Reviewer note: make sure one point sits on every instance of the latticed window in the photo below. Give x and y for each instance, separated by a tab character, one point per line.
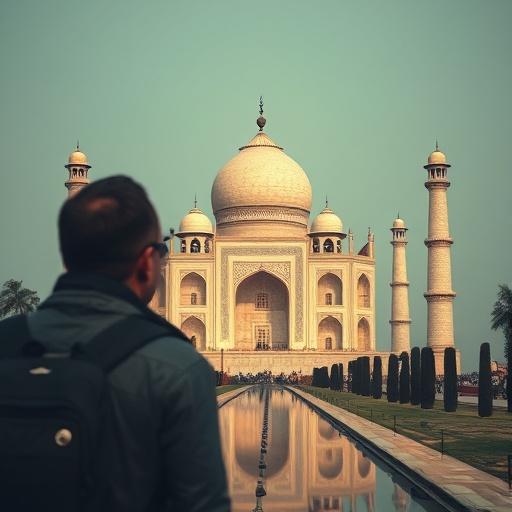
328	299
262	301
193	299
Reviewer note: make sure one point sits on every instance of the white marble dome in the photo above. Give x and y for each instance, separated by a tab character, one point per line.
262	185
326	222
195	222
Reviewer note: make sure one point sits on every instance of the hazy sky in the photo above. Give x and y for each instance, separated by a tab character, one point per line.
355	91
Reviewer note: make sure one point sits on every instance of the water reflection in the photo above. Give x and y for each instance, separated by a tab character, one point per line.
307	464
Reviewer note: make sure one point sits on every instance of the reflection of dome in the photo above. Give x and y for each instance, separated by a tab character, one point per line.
326	222
77	157
399	223
196	222
330	462
263	186
436	157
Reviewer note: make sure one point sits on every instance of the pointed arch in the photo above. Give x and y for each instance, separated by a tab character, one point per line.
196	331
328	245
330	284
262	312
363	292
195	246
330	334
363	335
191	284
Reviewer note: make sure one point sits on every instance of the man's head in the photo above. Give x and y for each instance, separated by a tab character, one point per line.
108	228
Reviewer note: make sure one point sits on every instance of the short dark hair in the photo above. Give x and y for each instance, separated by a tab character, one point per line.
105	226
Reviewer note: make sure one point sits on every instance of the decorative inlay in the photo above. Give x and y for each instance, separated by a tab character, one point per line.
241	269
244	269
262	213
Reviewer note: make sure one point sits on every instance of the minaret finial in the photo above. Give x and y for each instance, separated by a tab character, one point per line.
195	201
398	215
261	120
326	201
437	146
77	145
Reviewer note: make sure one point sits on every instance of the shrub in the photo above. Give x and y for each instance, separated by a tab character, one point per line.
334	381
415	376
450	380
485	382
405	379
376	385
428	378
392	387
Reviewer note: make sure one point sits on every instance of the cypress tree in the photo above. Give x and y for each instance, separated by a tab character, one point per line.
485	382
323	377
341	376
428	378
377	378
415	376
392	387
350	376
334	382
314	382
359	376
405	379
365	376
450	380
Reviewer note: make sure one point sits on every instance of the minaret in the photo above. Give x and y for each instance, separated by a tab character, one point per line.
400	321
78	169
439	294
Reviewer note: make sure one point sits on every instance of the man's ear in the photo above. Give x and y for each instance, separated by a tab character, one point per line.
144	266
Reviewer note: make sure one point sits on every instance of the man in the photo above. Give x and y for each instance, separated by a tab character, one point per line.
167	453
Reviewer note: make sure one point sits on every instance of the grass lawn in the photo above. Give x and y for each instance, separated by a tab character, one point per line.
483	443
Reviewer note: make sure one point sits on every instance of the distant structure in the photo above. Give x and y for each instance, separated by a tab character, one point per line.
268	287
439	294
78	169
400	321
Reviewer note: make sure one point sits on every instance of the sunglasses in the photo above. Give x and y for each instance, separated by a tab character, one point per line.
160	247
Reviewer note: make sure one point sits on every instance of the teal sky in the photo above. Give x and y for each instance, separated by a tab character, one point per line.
355	91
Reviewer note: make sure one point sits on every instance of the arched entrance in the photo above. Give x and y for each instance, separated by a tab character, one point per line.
261	313
330	335
196	331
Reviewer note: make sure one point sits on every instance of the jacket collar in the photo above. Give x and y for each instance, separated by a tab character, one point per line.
100	283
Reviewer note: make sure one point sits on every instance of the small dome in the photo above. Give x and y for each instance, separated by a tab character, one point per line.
77	157
326	222
436	157
399	223
195	222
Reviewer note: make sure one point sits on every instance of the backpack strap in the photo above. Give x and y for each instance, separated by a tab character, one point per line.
117	342
14	335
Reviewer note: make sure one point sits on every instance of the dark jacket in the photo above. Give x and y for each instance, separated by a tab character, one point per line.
168	454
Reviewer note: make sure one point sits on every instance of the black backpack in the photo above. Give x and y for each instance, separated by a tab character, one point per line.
54	415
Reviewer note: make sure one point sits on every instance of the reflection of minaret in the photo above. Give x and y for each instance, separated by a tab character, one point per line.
439	294
400	321
400	498
78	169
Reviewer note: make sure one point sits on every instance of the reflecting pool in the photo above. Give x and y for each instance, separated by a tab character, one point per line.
282	456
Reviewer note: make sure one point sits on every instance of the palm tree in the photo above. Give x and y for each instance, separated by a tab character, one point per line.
502	319
14	299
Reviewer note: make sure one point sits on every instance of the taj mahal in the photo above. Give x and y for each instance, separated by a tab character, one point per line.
267	287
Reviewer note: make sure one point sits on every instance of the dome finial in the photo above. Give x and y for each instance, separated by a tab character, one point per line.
326	201
77	145
398	215
437	146
261	120
195	200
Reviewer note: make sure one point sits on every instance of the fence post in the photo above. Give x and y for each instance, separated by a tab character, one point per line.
509	472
